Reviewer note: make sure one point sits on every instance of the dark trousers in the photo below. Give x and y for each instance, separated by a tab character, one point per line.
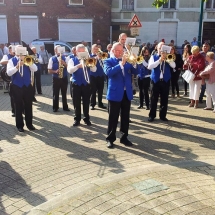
78	93
44	68
202	92
97	85
144	85
59	84
37	82
116	108
11	98
174	82
160	88
23	100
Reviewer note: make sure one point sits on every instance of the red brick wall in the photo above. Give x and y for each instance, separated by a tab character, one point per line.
98	10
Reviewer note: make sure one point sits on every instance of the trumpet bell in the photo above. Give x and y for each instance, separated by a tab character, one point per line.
140	59
90	62
132	60
170	57
28	61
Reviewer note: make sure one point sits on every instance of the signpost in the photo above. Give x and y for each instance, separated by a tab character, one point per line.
135	26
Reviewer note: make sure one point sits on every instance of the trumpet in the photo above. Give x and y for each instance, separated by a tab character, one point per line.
170	58
140	59
102	55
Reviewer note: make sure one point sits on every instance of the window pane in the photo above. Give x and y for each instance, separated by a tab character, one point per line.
1	1
172	3
166	5
28	1
214	4
208	3
76	2
128	4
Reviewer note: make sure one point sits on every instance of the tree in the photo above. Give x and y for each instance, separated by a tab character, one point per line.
159	3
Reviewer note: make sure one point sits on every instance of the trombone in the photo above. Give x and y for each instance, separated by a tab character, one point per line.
170	58
102	55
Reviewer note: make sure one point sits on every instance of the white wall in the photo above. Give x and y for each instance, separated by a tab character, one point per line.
186	31
148	32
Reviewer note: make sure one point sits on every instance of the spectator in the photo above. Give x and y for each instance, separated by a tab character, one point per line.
45	59
210	83
196	64
185	43
194	42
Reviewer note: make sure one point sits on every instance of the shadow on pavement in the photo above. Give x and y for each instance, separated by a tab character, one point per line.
13	186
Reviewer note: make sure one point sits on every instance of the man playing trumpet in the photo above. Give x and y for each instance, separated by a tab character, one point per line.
22	90
119	93
160	79
80	84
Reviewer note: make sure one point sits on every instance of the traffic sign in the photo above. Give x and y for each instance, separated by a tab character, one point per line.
135	22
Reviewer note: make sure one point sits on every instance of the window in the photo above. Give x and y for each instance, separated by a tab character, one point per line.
28	1
171	4
1	1
210	4
76	2
128	4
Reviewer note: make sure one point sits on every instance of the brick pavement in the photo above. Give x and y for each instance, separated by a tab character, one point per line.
56	159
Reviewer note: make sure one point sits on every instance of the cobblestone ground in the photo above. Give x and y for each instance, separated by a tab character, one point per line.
40	166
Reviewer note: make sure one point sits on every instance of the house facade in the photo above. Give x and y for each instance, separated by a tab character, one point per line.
68	20
177	20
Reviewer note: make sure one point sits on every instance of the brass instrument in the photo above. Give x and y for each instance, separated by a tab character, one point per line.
140	59
28	60
102	55
132	59
35	59
60	67
170	58
90	62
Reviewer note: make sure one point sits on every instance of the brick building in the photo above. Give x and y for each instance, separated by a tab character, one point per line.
68	20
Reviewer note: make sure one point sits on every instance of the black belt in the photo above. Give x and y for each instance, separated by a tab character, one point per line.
161	79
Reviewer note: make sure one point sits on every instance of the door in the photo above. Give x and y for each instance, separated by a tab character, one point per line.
3	29
28	28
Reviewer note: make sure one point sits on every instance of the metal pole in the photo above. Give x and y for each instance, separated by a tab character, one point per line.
200	23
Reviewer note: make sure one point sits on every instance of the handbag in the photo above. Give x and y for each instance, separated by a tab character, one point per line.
188	76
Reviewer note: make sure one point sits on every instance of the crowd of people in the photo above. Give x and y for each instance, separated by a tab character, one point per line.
159	69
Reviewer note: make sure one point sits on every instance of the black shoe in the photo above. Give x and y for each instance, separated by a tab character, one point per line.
76	123
40	93
13	115
109	144
101	106
55	110
34	99
147	107
201	101
150	119
130	121
20	129
88	122
140	106
164	119
92	108
126	142
31	128
67	109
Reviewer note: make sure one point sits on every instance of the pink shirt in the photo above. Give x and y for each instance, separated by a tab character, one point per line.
210	69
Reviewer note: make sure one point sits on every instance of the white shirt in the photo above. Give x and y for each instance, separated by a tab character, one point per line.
11	69
153	64
5	58
71	68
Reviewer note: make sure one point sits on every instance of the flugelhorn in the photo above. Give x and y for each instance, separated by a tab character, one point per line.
102	55
170	58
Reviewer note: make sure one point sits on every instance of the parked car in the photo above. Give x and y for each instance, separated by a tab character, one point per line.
50	44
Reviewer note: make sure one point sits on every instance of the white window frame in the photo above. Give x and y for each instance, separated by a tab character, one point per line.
2	2
127	6
212	5
70	3
173	8
28	2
